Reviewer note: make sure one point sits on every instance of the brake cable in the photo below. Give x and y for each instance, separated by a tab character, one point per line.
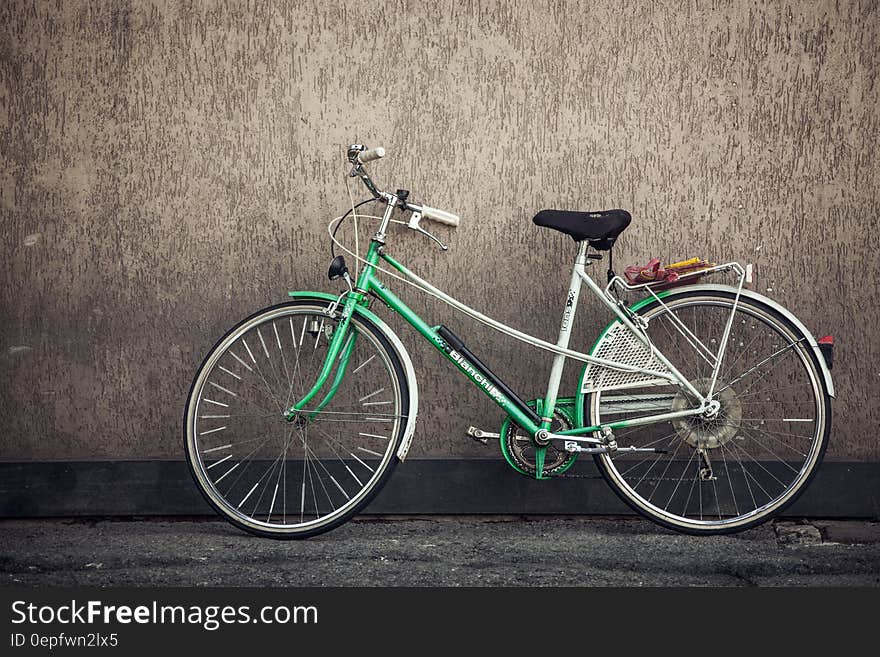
339	223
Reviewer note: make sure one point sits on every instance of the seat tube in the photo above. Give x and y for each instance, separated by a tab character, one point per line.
568	313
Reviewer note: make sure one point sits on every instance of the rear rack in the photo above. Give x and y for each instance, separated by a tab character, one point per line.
620	283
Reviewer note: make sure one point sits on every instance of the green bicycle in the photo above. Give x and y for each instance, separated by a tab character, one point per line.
706	407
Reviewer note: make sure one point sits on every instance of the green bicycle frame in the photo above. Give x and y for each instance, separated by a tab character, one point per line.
341	344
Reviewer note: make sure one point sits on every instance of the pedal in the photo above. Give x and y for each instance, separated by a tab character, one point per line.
481	436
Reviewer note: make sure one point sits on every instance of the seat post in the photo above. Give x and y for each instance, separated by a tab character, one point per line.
568	313
583	245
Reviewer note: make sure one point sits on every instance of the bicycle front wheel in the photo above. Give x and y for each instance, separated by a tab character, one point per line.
295	479
737	469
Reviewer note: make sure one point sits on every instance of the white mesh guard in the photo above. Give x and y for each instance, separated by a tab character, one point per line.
621	346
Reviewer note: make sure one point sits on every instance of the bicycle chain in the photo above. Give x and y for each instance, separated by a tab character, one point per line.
599	476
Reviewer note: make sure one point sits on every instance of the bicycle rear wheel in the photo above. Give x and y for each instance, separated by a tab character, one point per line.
295	479
739	468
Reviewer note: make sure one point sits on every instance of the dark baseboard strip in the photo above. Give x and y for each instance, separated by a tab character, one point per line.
841	489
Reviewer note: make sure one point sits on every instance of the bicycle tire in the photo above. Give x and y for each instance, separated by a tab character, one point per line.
385	468
808	357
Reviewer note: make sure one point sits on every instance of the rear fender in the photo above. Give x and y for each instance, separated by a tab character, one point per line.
709	287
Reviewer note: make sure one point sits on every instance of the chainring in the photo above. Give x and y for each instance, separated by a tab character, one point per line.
520	449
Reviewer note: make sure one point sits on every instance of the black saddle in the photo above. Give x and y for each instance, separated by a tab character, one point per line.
601	228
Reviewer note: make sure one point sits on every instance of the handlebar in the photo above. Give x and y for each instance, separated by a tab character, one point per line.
370	155
359	155
440	216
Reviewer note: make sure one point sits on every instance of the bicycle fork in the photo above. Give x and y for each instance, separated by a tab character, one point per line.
338	355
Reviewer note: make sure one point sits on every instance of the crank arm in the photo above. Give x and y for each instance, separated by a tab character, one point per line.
576	439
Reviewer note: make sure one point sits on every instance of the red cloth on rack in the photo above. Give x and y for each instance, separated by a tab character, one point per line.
650	273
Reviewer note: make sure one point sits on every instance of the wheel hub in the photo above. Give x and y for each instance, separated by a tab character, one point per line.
299	420
717	426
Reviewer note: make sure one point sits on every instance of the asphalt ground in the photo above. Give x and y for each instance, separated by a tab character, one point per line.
437	551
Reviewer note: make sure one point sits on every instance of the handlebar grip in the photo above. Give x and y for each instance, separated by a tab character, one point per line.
371	154
441	216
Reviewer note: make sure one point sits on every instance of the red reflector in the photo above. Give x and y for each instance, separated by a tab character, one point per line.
828	339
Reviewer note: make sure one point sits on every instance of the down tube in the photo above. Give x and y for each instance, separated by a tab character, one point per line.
395	303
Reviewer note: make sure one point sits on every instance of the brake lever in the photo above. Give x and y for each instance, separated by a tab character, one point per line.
414	219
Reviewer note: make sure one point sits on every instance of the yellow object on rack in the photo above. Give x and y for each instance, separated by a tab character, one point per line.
689	263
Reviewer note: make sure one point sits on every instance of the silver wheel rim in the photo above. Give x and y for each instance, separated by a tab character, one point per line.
730	460
343	452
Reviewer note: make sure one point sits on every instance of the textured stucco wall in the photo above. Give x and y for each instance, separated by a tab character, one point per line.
170	166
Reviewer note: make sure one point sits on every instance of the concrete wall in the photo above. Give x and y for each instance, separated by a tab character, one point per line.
171	166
